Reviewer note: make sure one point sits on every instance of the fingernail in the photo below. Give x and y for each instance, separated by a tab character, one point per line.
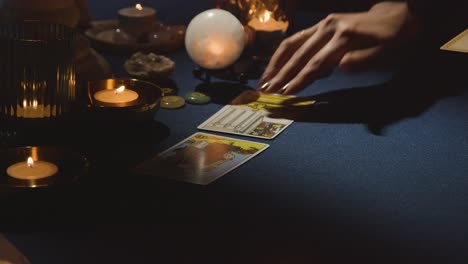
282	90
264	86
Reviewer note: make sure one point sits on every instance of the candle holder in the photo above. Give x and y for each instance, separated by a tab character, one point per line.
69	167
136	30
37	70
37	76
269	20
140	102
241	71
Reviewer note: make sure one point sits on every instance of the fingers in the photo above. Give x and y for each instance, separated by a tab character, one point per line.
286	49
322	62
352	60
300	58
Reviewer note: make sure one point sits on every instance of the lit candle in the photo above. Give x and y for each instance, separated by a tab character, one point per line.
116	96
32	105
32	170
137	11
137	20
267	22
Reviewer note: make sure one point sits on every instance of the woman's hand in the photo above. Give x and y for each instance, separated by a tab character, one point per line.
348	40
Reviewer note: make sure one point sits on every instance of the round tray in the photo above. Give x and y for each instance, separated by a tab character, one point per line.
174	38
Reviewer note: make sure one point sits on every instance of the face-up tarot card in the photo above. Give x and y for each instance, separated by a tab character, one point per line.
201	158
248	114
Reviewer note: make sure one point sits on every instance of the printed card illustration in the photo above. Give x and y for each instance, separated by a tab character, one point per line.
201	158
248	114
458	43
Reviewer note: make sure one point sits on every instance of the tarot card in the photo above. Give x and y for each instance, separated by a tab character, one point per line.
248	116
458	43
201	158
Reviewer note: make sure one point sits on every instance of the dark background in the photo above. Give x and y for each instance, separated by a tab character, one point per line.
378	175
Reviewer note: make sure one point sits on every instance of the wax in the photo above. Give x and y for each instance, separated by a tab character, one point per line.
137	11
32	170
137	21
116	96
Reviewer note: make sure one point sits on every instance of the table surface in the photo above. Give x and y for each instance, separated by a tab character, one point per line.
379	174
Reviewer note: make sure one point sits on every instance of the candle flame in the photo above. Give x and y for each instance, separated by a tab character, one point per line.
265	17
139	7
119	90
30	162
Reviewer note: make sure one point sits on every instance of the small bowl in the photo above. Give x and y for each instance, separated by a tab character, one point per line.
144	107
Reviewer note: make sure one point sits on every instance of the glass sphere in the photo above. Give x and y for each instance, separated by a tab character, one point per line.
215	39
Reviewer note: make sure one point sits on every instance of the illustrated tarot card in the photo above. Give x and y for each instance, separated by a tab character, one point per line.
201	158
248	116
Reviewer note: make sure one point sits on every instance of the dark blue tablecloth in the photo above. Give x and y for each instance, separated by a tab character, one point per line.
380	174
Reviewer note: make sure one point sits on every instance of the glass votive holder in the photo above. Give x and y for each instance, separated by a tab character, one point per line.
37	77
64	12
269	20
39	167
37	71
128	99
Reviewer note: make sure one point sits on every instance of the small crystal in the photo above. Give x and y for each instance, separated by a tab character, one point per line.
149	65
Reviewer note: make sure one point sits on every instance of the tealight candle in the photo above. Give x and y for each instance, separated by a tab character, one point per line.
266	22
32	170
117	96
137	11
137	20
269	31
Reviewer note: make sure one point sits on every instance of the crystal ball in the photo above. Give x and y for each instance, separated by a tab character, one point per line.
215	39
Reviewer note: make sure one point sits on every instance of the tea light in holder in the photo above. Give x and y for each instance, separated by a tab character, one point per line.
267	23
34	167
215	39
270	27
123	98
137	21
32	170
